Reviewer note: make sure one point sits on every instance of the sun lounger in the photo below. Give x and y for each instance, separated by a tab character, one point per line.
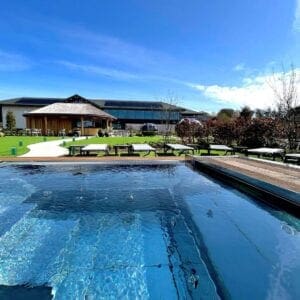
220	148
95	148
293	157
179	147
266	152
142	148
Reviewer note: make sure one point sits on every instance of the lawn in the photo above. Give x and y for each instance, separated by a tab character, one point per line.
9	142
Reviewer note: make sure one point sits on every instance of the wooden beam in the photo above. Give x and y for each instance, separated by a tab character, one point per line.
82	128
46	125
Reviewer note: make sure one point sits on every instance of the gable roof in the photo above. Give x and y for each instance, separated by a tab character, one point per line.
75	109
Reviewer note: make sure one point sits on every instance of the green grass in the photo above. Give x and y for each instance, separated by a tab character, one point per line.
8	142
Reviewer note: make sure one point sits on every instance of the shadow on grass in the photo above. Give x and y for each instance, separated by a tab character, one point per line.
129	154
165	154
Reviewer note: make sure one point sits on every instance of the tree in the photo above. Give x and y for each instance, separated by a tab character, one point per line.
284	86
261	132
10	120
189	129
246	113
226	114
224	132
167	114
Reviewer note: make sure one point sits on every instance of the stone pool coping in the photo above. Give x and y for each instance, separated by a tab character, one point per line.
275	184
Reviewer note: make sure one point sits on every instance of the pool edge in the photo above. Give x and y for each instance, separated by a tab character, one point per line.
262	190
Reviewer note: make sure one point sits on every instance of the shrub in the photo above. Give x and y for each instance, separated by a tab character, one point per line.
10	120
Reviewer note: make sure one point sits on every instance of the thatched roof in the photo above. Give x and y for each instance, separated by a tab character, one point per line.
70	109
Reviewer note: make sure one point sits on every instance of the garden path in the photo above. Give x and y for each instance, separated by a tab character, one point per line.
49	149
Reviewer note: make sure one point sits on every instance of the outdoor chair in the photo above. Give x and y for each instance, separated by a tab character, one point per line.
183	149
142	148
27	131
273	152
95	148
50	132
292	157
220	148
36	132
62	132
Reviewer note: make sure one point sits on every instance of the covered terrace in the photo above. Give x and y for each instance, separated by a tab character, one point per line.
78	117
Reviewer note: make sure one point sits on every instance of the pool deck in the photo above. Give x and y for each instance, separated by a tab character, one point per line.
281	175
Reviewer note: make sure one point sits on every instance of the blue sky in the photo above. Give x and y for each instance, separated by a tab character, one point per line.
206	54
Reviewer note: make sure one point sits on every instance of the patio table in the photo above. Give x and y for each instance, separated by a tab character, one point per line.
121	146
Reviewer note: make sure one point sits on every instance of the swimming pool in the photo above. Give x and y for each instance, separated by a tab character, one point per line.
160	231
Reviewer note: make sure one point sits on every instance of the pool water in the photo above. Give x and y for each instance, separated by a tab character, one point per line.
140	232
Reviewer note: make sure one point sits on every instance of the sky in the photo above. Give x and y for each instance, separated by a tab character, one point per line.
203	55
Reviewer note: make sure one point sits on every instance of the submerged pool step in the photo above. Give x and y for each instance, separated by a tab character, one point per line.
106	249
28	247
14	191
10	215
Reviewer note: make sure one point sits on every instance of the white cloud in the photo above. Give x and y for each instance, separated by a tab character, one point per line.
296	24
98	70
10	62
239	67
113	49
117	73
255	92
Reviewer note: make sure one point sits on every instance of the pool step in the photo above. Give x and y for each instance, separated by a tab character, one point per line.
14	191
28	247
106	249
10	215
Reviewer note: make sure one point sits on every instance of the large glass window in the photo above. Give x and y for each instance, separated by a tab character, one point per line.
134	114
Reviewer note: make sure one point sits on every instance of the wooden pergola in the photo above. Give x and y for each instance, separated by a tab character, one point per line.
66	116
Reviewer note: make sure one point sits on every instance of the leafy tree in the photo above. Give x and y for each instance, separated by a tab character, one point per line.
246	113
224	132
225	114
189	129
10	121
261	132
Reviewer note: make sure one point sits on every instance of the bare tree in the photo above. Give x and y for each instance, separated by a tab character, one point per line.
284	86
168	114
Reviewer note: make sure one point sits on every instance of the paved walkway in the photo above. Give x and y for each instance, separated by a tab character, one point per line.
49	149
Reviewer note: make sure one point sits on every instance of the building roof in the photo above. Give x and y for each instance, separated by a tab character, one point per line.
29	101
101	103
75	109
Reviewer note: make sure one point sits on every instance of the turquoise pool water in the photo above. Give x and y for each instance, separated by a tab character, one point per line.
140	232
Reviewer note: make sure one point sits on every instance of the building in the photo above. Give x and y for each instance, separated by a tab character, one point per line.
123	114
75	115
